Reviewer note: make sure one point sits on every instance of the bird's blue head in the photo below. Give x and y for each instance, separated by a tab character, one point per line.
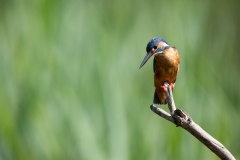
155	45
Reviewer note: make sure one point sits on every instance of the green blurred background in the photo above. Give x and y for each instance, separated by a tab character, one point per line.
71	88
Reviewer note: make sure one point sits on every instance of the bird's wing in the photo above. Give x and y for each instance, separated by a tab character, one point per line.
154	65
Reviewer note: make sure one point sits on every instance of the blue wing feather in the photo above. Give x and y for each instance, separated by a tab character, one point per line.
154	65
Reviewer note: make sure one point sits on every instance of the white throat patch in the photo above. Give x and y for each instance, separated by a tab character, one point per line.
164	44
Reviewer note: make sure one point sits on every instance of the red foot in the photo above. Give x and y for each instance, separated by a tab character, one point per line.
172	86
163	88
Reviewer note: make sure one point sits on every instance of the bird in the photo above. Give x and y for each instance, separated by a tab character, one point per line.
166	65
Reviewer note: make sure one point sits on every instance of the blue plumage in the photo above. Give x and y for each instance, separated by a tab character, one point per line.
154	42
165	66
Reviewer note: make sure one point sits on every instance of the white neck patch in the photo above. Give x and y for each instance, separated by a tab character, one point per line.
165	44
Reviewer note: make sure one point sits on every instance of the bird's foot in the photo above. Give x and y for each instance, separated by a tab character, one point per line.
172	86
163	88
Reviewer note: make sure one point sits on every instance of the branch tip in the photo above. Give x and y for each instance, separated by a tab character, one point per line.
182	119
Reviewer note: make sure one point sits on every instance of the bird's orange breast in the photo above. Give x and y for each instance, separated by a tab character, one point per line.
166	69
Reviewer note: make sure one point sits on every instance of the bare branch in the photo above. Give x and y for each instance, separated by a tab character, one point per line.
180	118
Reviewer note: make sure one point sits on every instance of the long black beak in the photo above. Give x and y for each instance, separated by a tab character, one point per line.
148	55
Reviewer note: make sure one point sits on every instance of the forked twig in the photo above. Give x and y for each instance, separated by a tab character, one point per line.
180	118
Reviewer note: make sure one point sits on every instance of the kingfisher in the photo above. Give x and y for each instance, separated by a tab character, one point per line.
165	66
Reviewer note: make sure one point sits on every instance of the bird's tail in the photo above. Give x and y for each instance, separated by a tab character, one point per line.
156	99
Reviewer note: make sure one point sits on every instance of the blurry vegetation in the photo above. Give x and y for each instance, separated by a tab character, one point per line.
70	87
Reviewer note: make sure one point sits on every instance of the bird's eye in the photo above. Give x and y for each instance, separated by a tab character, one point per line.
155	47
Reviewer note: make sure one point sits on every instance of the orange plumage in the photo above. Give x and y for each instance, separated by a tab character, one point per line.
166	66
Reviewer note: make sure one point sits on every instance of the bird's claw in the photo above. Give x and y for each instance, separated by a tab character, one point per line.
164	88
172	86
